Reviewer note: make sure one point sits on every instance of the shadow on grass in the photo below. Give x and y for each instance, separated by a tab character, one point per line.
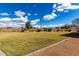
73	35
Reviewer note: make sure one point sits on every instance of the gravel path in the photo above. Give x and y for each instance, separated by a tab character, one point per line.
68	47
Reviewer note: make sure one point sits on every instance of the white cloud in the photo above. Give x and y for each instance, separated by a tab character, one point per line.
54	15
4	14
46	26
29	14
50	16
10	24
2	25
54	10
21	16
66	11
23	19
60	24
13	22
66	6
14	25
15	19
52	25
5	19
35	14
73	7
19	13
60	9
35	21
37	26
19	20
54	6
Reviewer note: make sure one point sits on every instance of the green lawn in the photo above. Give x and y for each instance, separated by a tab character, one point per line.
18	43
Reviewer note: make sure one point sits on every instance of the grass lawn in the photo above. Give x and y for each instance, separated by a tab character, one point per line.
18	43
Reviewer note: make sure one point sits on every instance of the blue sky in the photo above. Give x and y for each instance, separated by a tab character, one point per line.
39	14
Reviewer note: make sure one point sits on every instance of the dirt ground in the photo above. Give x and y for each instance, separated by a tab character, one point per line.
69	47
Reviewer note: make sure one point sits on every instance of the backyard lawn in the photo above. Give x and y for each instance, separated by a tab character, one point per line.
22	43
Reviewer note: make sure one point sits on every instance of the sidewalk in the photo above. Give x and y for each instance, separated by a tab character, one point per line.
68	47
2	54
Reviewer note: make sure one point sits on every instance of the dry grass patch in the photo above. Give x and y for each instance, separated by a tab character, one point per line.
17	43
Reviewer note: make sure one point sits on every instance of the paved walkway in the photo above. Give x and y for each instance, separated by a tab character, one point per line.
2	53
68	47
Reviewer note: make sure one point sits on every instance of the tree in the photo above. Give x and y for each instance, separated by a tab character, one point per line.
66	26
22	29
38	30
49	29
28	25
75	23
